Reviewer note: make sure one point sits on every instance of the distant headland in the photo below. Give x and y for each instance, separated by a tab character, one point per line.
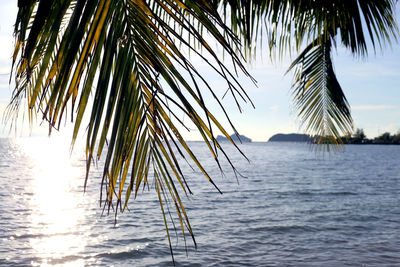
235	138
293	137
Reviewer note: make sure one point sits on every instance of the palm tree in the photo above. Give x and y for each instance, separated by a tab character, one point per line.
131	56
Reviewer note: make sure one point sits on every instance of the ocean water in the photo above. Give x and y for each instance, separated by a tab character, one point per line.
293	207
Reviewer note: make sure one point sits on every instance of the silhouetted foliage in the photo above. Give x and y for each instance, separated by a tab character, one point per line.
360	138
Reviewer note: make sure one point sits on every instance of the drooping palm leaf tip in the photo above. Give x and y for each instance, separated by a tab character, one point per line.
129	56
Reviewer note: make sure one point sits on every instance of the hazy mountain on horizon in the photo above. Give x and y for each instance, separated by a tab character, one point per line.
292	137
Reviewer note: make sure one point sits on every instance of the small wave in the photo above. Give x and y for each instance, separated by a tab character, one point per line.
344	193
70	260
285	229
135	240
33	236
130	253
339	193
315	193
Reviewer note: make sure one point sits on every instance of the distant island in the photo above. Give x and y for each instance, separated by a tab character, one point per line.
235	138
293	137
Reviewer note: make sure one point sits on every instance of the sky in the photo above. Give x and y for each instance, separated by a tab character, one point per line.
371	85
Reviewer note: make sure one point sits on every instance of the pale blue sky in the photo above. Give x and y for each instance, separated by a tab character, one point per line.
372	87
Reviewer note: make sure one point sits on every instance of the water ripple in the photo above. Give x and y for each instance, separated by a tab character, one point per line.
295	208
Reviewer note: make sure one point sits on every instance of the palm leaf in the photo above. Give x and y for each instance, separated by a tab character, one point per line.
122	53
318	95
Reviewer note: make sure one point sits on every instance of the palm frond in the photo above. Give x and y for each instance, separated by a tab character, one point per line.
318	96
123	54
354	21
292	24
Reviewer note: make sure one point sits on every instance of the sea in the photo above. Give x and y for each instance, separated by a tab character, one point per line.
290	206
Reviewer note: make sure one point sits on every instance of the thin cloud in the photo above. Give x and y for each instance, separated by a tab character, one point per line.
274	108
371	107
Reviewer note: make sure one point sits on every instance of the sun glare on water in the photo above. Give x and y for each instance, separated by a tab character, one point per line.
56	204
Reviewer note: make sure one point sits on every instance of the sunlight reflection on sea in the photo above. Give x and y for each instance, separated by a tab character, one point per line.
54	208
